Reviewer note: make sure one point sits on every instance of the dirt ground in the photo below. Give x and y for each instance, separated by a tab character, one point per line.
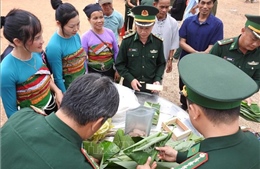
231	12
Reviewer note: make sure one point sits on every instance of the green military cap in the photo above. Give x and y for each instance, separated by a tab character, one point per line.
213	82
144	15
253	23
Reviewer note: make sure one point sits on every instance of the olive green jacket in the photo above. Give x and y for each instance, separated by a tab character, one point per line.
240	150
142	62
33	141
249	62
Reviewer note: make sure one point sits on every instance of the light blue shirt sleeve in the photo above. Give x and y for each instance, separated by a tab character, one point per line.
8	89
54	55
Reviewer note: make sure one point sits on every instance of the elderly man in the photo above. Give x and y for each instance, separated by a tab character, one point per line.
141	59
166	28
214	98
31	140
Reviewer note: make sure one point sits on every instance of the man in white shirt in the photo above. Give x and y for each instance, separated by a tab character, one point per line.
166	28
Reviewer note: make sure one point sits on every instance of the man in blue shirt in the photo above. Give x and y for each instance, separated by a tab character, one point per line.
113	19
199	33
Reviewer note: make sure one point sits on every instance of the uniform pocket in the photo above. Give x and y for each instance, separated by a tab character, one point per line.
132	57
251	67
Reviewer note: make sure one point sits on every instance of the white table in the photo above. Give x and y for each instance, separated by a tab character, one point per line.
130	99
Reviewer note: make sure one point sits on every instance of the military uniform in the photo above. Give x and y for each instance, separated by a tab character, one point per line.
144	62
229	50
41	142
217	90
249	62
135	60
233	152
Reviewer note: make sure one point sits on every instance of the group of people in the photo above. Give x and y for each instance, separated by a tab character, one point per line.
81	96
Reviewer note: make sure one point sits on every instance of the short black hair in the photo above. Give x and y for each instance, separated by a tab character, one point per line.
219	116
22	25
211	0
64	12
90	97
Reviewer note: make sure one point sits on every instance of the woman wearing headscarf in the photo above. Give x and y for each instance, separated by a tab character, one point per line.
100	44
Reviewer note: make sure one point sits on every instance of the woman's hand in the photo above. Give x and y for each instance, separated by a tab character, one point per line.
58	97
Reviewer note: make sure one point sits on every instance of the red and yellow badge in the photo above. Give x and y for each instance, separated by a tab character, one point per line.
145	13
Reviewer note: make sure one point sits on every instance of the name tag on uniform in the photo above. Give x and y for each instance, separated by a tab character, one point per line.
229	59
132	50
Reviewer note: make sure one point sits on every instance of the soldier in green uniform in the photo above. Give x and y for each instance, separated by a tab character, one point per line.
141	59
244	50
213	99
30	140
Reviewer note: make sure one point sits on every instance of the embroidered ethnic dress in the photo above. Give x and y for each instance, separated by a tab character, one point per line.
35	90
73	66
66	58
24	83
100	57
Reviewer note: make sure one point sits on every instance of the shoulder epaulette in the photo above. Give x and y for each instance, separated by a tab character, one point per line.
128	35
157	37
194	162
225	41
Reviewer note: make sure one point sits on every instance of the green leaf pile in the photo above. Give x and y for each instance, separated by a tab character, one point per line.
127	152
140	151
251	113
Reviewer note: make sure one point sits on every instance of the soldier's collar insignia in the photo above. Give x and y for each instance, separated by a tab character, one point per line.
193	150
253	63
194	162
153	51
144	13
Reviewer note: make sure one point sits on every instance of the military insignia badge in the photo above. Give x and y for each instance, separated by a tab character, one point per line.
193	150
253	63
145	13
153	51
225	41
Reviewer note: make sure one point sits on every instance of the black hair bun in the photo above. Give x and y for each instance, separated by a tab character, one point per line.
2	21
56	3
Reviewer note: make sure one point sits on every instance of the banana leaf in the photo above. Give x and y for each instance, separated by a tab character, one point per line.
121	140
251	113
133	164
109	149
180	145
140	151
94	149
155	106
255	108
194	137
